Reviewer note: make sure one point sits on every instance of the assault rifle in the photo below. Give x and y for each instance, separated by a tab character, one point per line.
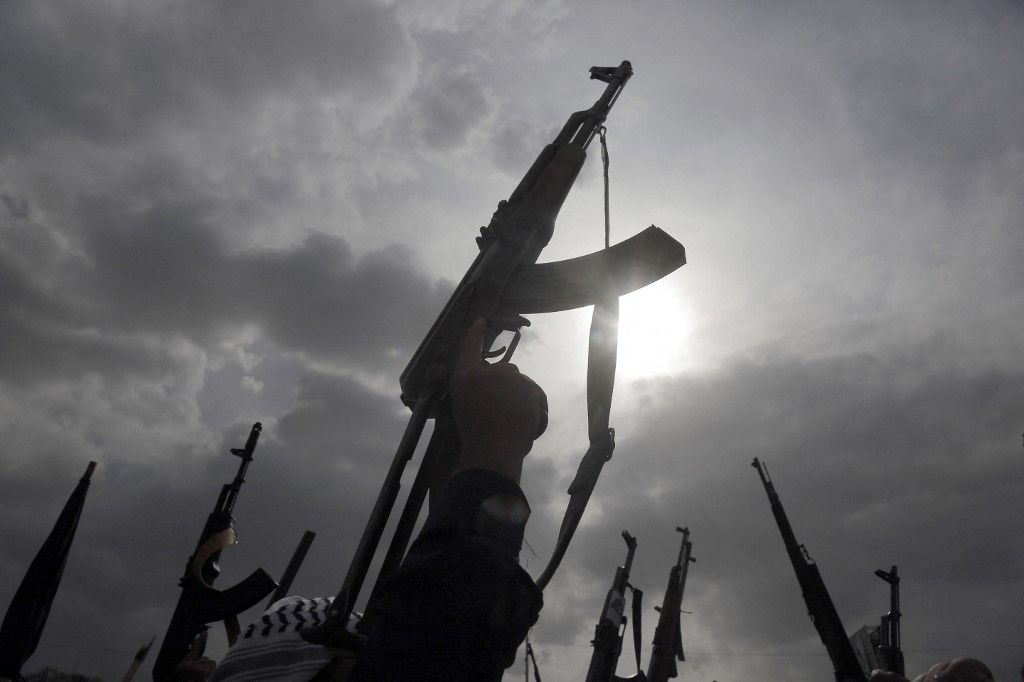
668	635
199	603
611	625
503	283
890	655
819	602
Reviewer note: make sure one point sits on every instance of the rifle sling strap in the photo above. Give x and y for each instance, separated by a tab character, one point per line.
604	330
232	628
603	351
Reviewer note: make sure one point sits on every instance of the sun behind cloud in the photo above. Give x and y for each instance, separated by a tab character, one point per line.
655	327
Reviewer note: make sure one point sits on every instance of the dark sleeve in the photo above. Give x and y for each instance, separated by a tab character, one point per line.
460	604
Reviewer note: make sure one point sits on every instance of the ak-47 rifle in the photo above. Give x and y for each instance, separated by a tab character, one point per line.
503	283
890	654
199	603
610	626
819	602
668	636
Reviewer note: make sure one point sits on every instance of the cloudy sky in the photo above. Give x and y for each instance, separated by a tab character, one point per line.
218	213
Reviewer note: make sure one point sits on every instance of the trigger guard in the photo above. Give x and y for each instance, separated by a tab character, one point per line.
489	354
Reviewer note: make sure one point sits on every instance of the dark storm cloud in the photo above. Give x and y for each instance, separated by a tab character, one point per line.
458	92
45	335
314	427
200	204
106	72
17	207
164	270
449	108
950	102
317	467
877	461
919	93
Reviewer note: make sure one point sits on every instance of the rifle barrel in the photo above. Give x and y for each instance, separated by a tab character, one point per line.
292	569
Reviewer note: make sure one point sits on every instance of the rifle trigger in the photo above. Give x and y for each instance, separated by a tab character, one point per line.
512	346
505	352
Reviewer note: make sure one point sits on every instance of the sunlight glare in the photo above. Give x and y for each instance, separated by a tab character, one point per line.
655	325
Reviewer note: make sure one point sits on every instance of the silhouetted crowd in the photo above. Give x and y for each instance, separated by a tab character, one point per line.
460	605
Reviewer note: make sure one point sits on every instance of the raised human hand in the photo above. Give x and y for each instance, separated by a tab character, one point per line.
195	667
498	410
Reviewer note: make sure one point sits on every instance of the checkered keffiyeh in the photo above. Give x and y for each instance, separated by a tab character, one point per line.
271	647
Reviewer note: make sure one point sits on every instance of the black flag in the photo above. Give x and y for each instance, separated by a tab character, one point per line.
26	616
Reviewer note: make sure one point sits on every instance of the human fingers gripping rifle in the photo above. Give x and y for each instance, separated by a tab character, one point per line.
200	603
503	283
